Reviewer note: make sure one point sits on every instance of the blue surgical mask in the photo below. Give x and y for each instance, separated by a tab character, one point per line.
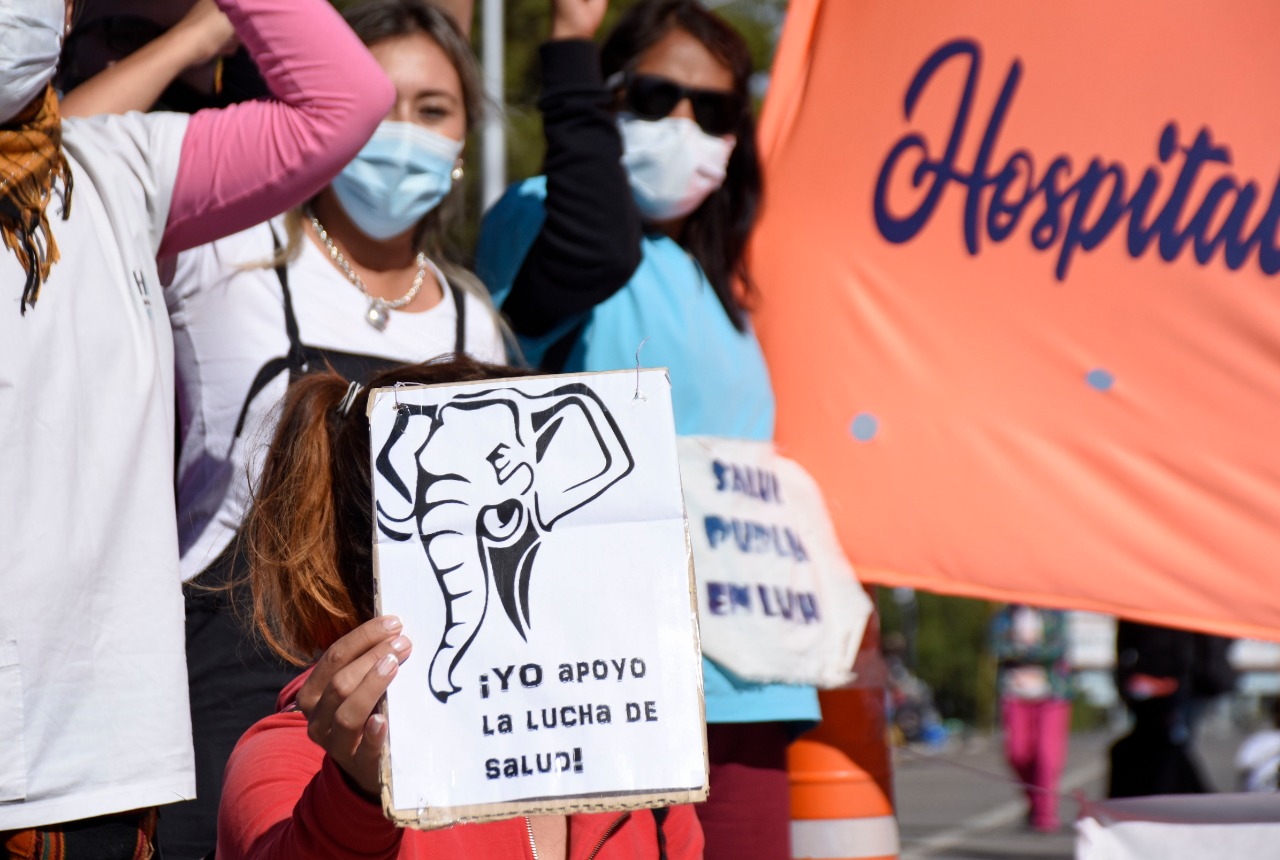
403	172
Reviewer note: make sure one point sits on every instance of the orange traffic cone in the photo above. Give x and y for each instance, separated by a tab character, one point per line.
842	778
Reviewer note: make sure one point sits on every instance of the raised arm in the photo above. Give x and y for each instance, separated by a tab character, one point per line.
248	162
589	245
137	81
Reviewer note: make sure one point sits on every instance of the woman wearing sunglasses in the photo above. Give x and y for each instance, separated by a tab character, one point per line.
636	234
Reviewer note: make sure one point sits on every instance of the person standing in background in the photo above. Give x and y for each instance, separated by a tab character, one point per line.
1155	674
1034	684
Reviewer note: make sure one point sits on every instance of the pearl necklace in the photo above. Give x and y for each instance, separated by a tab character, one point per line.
379	313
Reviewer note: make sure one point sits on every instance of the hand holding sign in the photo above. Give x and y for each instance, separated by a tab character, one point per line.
342	691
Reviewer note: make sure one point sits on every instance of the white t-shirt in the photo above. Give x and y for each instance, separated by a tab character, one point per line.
93	687
228	321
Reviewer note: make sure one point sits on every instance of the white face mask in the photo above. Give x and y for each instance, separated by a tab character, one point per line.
30	42
671	164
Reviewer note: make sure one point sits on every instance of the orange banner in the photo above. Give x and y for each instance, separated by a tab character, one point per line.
1017	270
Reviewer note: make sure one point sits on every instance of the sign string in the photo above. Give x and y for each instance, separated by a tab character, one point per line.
639	396
395	391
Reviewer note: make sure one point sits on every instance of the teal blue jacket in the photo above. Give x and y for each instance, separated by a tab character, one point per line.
719	382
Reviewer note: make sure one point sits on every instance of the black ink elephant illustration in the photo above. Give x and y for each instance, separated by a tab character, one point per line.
479	480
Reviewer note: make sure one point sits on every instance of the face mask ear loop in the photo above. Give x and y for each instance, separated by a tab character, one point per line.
639	397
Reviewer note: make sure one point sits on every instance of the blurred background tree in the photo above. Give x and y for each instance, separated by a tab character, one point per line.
947	643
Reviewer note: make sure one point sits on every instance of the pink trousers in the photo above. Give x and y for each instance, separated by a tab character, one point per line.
1035	744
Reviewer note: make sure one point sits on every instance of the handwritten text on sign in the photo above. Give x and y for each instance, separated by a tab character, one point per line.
779	601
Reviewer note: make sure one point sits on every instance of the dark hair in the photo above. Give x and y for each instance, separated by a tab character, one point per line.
104	36
376	21
716	233
309	534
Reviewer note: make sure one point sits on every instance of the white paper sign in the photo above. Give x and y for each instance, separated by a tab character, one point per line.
777	597
531	535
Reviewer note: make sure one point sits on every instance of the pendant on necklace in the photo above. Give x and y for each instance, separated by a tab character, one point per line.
377	315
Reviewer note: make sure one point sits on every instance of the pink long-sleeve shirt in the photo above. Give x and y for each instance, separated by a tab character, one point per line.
245	163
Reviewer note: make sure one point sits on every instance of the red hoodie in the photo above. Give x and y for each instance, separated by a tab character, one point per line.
285	799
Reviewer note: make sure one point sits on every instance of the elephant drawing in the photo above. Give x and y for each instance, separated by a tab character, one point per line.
479	479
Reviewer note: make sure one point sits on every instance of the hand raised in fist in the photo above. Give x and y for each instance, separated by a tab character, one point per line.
576	19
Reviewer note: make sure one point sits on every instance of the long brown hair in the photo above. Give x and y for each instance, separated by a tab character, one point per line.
309	533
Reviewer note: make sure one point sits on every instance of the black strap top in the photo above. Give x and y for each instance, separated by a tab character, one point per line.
302	358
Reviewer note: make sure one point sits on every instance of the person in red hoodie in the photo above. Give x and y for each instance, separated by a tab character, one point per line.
304	781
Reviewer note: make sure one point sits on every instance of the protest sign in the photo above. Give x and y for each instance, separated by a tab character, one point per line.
778	600
530	533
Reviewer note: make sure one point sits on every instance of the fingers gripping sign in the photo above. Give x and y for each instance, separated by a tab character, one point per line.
576	19
343	691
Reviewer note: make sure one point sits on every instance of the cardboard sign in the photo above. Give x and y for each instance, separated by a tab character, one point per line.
531	535
1017	270
777	597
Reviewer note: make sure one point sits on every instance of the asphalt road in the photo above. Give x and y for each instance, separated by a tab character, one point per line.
960	803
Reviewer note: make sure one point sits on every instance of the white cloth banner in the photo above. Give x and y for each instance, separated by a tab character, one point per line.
777	597
531	536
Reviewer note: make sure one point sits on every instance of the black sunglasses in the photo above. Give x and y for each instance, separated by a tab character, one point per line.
652	97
